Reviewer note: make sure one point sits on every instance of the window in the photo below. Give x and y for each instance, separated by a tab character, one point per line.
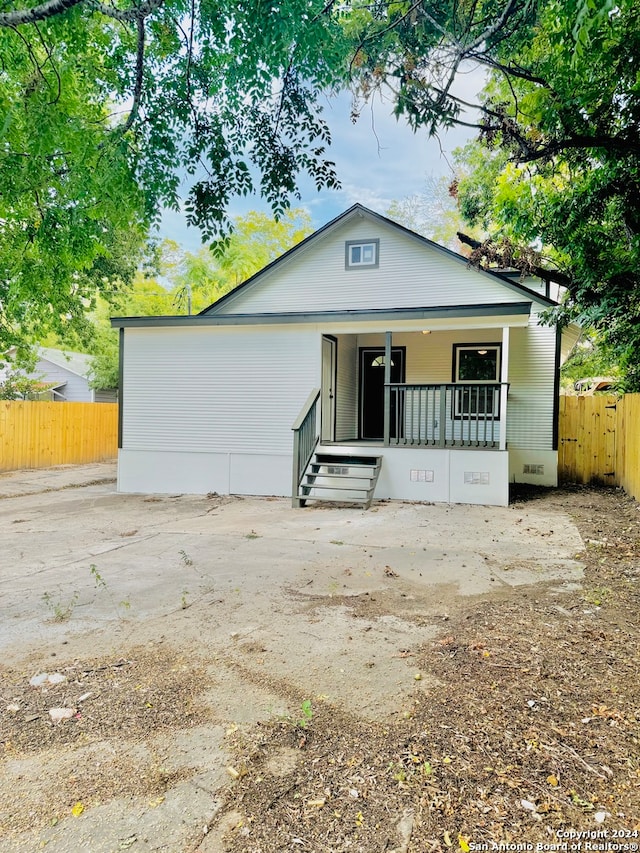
378	361
477	368
361	253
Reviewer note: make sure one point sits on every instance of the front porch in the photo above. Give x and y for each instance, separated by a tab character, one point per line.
421	432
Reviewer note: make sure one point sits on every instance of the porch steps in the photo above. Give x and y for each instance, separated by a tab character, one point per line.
340	478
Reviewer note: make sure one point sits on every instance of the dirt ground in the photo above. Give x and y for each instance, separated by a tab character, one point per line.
237	677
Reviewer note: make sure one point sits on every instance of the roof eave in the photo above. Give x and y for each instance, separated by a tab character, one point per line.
501	309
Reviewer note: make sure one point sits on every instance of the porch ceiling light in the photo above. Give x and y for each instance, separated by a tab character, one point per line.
482	352
426	331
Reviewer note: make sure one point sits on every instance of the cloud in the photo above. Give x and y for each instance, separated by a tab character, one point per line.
379	159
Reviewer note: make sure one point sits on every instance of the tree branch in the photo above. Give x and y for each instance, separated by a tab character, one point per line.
39	13
137	90
494	251
126	15
612	144
51	8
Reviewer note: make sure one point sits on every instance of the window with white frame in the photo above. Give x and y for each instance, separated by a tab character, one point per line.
361	253
476	367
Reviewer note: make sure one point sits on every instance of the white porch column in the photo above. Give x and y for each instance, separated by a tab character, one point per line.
387	389
504	378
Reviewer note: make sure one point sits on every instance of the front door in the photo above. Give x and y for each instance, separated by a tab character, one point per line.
328	397
372	390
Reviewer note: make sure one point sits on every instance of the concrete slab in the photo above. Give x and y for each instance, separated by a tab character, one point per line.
277	604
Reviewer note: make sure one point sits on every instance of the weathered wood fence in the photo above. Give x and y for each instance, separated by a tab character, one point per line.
38	435
599	441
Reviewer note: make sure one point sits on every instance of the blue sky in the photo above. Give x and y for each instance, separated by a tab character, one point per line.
378	160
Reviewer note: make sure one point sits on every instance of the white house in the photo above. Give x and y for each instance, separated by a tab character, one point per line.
364	353
68	375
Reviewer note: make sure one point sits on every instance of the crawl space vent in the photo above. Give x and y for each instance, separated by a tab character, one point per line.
476	478
533	469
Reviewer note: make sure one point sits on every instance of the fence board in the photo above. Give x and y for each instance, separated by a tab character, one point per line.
599	441
628	456
36	434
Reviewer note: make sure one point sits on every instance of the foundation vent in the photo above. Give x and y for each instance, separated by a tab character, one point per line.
476	478
418	476
536	470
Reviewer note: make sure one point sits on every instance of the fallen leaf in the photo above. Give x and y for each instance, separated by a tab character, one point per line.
77	810
463	843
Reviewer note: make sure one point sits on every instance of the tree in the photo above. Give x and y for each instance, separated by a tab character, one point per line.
15	386
434	212
225	91
191	282
556	167
107	107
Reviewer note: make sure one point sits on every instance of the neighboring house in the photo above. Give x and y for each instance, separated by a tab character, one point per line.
433	374
68	373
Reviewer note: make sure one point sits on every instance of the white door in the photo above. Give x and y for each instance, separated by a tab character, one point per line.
328	397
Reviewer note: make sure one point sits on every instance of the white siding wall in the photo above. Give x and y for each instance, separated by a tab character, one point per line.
410	275
430	357
531	378
216	389
76	388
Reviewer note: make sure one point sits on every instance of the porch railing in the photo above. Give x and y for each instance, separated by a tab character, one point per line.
453	415
305	439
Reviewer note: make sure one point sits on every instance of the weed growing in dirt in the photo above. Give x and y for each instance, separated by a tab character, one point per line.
186	559
183	599
307	714
101	583
60	609
97	577
252	535
597	596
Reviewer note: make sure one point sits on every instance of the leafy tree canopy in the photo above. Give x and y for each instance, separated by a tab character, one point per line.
106	104
104	107
556	166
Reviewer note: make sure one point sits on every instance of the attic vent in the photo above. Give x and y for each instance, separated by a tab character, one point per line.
536	470
337	469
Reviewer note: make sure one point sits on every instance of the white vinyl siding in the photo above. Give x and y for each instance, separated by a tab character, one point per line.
429	358
216	390
410	274
76	388
531	378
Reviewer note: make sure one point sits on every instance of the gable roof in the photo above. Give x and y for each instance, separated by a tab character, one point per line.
78	363
357	210
75	362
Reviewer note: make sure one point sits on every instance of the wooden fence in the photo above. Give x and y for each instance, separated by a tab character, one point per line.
38	434
599	441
